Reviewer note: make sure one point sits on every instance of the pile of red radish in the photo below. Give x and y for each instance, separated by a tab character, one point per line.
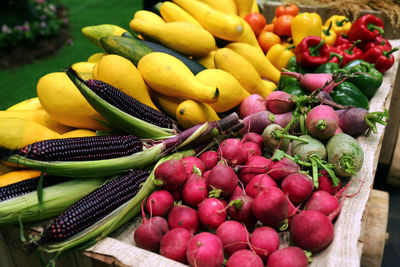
232	204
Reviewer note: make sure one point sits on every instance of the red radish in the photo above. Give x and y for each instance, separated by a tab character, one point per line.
338	131
325	183
183	216
222	180
288	257
255	138
298	187
284	119
292	210
148	235
325	203
177	194
211	212
240	210
322	122
256	122
258	183
252	104
173	244
264	240
282	168
237	193
356	121
314	81
251	149
311	230
244	258
279	102
205	175
271	207
233	151
159	203
254	166
170	174
234	236
205	250
209	158
192	162
194	190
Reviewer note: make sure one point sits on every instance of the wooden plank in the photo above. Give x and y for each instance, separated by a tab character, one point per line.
374	235
394	172
5	256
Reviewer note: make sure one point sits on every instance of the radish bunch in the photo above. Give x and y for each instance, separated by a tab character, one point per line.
229	204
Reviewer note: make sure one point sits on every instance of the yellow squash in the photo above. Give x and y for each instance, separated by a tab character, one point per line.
167	104
254	7
95	58
171	12
17	176
248	36
38	115
226	6
63	101
95	32
28	104
208	60
230	61
84	69
190	113
148	16
244	7
16	133
231	93
78	133
183	37
169	76
218	23
122	74
259	61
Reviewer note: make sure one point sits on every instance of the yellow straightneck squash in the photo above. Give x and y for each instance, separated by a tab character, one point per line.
171	12
190	113
230	61
84	69
38	115
218	23
259	61
231	92
17	133
78	133
183	37
28	104
63	101
208	60
167	104
122	74
169	76
244	7
148	16
225	6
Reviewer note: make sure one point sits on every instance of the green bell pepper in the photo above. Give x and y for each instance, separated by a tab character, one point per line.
328	67
348	94
366	77
295	90
292	65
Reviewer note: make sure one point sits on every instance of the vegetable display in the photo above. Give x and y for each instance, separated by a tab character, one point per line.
222	130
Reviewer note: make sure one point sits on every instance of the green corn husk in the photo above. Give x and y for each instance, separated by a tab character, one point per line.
114	220
195	136
119	119
55	199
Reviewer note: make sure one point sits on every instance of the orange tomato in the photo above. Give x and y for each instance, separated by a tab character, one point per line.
274	19
268	28
282	25
256	21
267	39
287	9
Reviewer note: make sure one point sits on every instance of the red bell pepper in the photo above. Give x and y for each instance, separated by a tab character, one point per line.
335	55
350	52
342	39
382	59
366	28
379	40
311	52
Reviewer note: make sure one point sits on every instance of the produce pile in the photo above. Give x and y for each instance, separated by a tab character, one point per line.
224	131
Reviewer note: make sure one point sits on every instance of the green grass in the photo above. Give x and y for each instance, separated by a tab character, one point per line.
18	84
